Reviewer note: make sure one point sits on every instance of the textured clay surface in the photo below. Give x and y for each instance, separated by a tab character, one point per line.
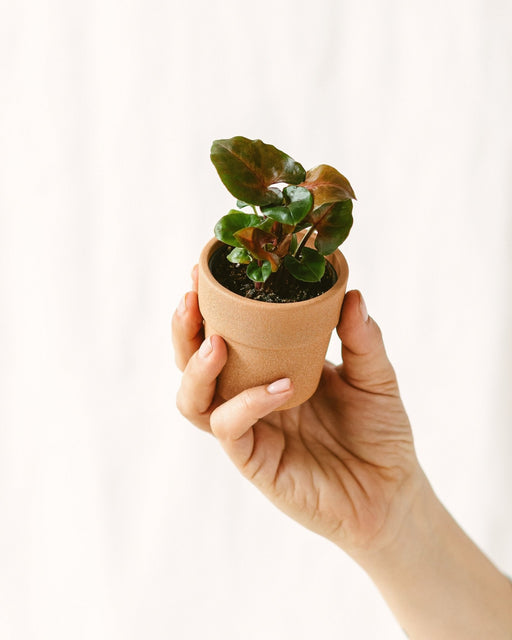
270	341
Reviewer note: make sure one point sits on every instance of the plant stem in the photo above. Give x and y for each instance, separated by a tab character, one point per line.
303	242
258	285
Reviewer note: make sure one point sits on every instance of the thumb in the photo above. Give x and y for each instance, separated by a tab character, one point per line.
365	363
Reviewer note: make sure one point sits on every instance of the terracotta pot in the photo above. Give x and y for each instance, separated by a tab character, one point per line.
267	341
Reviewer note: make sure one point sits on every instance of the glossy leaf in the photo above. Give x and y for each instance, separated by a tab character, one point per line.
259	273
232	222
333	222
309	268
280	214
257	242
327	184
299	202
278	193
266	225
248	168
239	256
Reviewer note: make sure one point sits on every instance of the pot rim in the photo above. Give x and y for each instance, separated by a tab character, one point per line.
337	260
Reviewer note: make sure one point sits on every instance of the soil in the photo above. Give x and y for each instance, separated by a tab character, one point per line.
280	286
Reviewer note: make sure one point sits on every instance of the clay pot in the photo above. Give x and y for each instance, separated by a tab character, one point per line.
267	341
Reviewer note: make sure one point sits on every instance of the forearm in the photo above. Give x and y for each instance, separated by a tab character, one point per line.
436	580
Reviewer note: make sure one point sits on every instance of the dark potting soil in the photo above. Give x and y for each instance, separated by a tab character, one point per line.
280	286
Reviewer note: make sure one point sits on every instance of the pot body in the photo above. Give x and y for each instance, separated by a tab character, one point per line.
267	341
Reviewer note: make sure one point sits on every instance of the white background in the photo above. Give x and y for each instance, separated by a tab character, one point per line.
120	521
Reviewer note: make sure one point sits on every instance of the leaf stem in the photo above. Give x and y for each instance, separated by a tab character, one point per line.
258	285
303	242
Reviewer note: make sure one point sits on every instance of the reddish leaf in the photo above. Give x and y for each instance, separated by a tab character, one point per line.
248	168
256	242
327	185
284	245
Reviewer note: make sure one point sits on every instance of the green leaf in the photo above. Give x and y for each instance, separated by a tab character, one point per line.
239	256
265	225
278	193
257	273
300	202
310	267
280	214
241	204
248	168
327	184
232	222
333	222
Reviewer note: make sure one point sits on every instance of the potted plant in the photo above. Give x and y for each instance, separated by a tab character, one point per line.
272	281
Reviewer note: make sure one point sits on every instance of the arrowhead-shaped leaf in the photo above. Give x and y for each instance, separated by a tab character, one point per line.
327	185
332	222
248	168
280	214
310	267
239	256
299	201
257	273
257	242
233	222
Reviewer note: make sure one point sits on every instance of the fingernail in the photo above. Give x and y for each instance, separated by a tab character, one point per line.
279	386
182	305
364	310
206	348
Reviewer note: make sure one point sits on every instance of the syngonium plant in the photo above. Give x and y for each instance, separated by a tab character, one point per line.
284	201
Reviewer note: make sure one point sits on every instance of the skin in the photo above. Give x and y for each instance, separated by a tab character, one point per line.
343	464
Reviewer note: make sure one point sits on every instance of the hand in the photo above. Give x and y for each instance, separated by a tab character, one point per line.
343	463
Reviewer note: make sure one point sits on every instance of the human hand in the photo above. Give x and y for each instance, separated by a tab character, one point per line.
343	463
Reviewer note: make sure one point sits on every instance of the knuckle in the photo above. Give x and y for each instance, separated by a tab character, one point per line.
246	400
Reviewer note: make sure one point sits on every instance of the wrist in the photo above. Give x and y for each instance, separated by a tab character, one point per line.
436	580
418	514
395	519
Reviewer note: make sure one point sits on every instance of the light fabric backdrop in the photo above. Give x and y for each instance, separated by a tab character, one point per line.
118	520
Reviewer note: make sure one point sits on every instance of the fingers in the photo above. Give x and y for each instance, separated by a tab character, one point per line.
195	277
365	363
187	329
187	325
232	421
197	391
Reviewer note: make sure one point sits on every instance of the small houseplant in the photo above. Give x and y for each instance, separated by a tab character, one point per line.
272	281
